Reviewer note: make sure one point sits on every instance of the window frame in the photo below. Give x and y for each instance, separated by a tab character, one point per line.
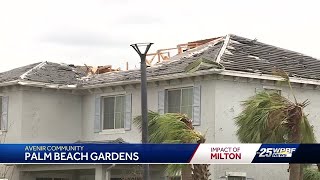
114	111
180	88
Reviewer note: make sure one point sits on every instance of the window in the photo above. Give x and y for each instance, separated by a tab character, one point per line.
113	112
180	101
269	90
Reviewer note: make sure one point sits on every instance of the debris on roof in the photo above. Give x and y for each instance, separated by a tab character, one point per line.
203	64
90	70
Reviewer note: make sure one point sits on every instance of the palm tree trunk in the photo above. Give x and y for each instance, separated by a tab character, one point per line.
201	172
294	119
186	173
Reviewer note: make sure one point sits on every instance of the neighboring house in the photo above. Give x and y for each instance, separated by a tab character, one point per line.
57	103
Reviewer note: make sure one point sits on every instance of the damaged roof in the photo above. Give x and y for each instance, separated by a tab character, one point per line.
45	72
246	55
232	52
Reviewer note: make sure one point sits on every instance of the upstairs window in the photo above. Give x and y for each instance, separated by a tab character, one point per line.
180	101
113	112
4	102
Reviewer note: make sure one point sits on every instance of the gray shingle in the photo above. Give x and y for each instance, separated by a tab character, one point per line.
248	55
15	74
56	73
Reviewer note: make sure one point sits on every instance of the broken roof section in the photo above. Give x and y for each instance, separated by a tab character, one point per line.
230	53
45	72
246	55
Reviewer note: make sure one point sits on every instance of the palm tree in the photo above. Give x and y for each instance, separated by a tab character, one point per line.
269	117
176	128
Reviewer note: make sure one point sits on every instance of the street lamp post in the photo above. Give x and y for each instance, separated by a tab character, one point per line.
144	106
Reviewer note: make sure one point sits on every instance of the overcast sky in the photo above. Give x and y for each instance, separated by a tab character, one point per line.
99	32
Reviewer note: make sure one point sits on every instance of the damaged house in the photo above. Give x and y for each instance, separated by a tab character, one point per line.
59	103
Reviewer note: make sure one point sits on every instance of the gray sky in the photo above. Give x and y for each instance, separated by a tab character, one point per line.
99	32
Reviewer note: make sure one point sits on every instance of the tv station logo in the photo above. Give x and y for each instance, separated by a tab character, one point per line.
275	152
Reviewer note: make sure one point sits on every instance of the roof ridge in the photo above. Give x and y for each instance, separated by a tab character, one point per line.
35	67
223	48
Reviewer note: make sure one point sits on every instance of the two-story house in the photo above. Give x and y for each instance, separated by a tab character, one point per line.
58	103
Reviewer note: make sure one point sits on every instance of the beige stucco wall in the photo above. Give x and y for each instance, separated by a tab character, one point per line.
51	117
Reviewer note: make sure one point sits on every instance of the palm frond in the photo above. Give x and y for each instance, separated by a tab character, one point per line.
311	174
307	131
137	121
261	119
175	169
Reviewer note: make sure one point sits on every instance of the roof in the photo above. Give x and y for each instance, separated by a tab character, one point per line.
246	55
235	53
45	72
116	141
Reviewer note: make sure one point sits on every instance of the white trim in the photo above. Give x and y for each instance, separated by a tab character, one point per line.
272	88
36	67
112	131
113	93
178	86
225	43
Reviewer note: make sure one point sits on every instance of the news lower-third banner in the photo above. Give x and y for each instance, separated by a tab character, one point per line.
158	153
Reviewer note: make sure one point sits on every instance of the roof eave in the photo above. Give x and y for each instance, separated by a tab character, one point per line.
207	72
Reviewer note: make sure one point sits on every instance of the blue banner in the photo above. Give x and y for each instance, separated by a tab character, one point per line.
158	153
96	153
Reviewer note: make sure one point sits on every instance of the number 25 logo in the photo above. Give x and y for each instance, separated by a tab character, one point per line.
265	152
